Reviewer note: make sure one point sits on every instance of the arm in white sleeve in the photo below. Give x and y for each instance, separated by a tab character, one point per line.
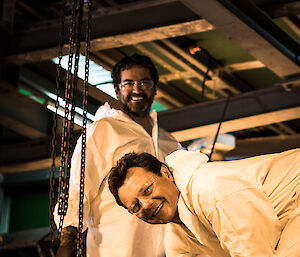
246	224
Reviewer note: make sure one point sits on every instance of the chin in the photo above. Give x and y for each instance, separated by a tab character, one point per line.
141	112
158	220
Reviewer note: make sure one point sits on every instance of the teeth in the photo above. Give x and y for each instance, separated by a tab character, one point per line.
158	209
137	98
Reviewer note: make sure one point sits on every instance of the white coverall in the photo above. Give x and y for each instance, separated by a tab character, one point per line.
236	208
112	231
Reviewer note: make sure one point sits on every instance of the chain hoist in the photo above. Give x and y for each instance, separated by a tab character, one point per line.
68	121
55	124
83	134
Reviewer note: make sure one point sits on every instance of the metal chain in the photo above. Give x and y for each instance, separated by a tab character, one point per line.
83	142
65	150
74	81
77	35
68	123
54	128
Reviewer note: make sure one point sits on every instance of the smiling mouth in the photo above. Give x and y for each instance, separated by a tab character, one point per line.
158	209
137	98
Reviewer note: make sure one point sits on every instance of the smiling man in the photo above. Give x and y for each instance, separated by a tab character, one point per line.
161	207
243	208
136	98
112	231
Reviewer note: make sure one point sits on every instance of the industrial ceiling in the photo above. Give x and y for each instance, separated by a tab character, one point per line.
205	51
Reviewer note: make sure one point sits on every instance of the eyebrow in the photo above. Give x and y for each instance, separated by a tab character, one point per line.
142	189
146	78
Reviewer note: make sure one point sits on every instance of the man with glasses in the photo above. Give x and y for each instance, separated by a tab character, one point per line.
241	208
112	231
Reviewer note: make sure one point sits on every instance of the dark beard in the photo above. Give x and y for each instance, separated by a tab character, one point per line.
144	110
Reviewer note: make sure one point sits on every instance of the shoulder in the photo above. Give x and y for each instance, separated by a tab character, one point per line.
185	163
179	241
165	134
105	123
102	128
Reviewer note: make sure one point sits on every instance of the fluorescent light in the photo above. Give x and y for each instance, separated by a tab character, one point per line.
107	88
61	112
98	76
80	111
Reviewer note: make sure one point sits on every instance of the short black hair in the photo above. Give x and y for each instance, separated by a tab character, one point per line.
118	173
128	62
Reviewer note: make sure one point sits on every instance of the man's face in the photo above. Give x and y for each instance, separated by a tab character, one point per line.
137	100
150	197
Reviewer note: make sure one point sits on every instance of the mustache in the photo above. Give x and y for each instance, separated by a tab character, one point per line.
129	96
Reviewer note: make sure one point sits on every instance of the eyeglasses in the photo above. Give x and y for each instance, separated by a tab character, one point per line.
144	194
143	84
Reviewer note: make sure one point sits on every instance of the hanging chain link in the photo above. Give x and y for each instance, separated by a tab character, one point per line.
65	153
55	124
72	96
71	82
83	142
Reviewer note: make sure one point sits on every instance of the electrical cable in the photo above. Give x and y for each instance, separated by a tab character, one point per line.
204	80
220	123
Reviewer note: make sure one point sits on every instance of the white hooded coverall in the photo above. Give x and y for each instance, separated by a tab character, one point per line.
243	208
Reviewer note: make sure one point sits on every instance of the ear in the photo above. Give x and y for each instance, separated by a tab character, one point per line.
166	172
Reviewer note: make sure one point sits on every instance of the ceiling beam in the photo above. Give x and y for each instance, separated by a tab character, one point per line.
21	128
293	26
264	145
153	34
27	151
240	106
105	26
234	67
29	166
228	23
238	124
110	42
27	9
33	150
21	114
282	10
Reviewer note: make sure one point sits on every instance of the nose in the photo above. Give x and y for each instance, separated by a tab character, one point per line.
146	207
136	87
146	204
